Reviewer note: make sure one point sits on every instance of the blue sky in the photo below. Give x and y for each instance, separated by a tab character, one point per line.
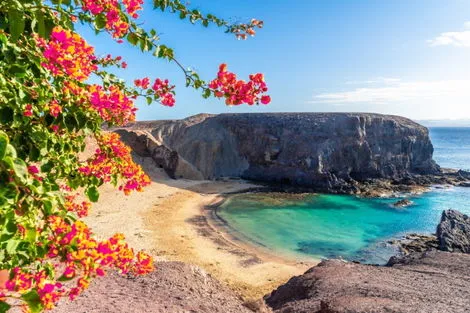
402	57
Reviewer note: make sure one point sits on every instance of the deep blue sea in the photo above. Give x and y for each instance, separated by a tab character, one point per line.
451	146
331	226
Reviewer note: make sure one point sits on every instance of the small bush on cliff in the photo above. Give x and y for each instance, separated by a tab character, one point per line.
48	106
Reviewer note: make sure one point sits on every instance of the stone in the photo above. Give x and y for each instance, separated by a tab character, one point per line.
453	232
403	203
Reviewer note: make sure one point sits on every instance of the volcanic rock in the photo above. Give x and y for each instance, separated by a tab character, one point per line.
174	287
326	151
403	203
435	281
453	232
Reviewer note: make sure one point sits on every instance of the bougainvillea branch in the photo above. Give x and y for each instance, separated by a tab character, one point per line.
49	108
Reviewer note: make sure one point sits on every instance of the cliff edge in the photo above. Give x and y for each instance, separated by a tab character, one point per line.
326	151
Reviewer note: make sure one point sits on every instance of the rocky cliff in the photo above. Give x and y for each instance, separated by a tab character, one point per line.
320	150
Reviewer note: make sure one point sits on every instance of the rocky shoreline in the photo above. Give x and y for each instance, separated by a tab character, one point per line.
350	153
432	276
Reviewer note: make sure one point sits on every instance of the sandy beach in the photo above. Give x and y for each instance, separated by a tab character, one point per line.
171	221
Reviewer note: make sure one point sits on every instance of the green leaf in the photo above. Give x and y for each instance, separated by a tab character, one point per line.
49	25
17	24
4	307
3	144
149	100
6	115
64	278
93	194
206	94
3	38
47	167
12	245
10	151
41	24
17	70
100	21
33	301
65	2
133	39
31	234
18	166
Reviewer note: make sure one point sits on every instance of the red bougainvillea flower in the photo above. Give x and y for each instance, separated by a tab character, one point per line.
242	31
132	6
110	9
67	54
114	158
164	91
28	110
112	104
143	83
84	259
54	108
236	91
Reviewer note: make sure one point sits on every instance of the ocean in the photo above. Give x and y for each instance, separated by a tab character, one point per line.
341	226
451	146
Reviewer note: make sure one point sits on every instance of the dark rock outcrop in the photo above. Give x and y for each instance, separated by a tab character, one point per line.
453	232
326	151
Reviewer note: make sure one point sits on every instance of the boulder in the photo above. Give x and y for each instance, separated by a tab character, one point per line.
453	232
403	203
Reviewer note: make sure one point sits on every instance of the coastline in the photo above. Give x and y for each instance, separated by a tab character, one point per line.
176	220
184	229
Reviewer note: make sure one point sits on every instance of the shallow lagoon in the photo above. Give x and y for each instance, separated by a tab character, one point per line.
328	226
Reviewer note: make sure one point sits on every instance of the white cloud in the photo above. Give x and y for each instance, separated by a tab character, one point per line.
458	38
415	99
401	92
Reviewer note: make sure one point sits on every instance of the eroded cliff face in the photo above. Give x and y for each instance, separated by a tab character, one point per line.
321	150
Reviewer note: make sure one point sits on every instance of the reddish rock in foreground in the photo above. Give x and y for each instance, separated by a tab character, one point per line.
174	287
430	282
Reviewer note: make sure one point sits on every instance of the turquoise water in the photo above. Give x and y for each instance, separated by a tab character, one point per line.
329	226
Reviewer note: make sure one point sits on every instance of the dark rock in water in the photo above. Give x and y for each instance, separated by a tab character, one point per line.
453	232
403	203
464	184
433	282
326	151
